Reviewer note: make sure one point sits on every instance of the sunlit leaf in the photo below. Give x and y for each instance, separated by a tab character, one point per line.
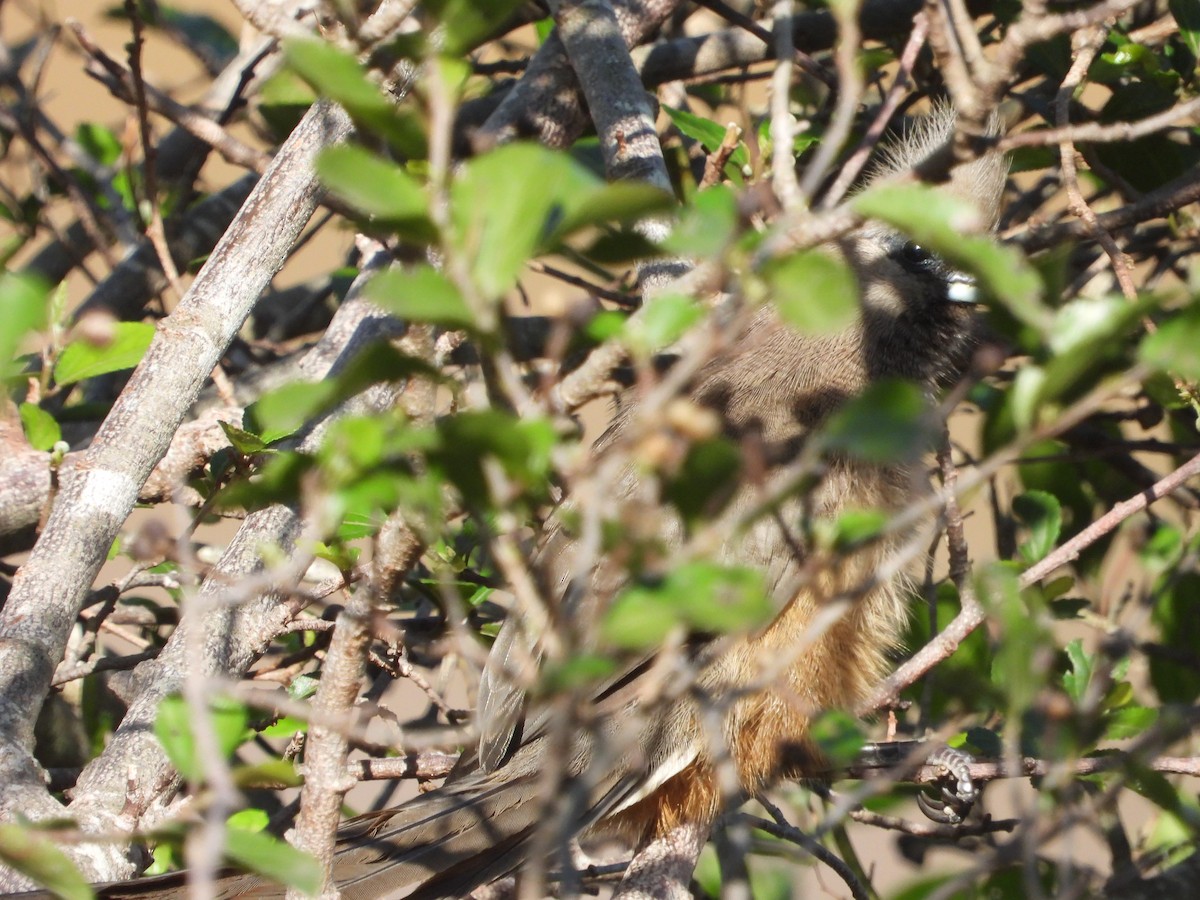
41	429
337	75
173	726
124	349
22	848
814	292
22	309
277	860
421	294
377	188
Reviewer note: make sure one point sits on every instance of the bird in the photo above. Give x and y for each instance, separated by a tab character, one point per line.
646	750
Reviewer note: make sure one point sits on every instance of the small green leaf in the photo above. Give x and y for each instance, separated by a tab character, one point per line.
594	202
99	142
506	203
173	727
37	857
1172	347
1076	681
814	292
704	596
270	775
662	321
705	479
280	412
302	687
580	670
249	820
81	359
707	225
839	735
378	188
243	442
707	132
337	75
277	860
41	430
851	529
22	309
421	294
888	422
1041	513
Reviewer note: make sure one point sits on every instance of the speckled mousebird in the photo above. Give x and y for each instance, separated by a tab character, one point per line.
641	769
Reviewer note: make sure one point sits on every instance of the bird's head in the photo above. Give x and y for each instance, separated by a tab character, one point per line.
919	319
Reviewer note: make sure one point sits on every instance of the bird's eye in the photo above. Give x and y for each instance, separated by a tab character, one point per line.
916	255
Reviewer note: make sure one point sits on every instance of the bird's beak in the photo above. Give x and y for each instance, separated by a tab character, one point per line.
961	288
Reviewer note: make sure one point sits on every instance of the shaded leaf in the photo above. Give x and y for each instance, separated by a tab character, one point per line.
888	422
1041	513
36	856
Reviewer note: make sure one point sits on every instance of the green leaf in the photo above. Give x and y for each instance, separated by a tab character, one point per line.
270	775
82	359
579	670
888	422
521	446
99	142
22	309
705	479
594	202
1128	722
502	205
302	687
707	132
243	442
851	529
272	858
1076	681
661	322
173	727
249	820
704	596
41	430
707	225
944	224
378	188
1187	17
814	292
37	857
282	411
421	294
839	735
1041	513
467	23
335	74
1172	347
